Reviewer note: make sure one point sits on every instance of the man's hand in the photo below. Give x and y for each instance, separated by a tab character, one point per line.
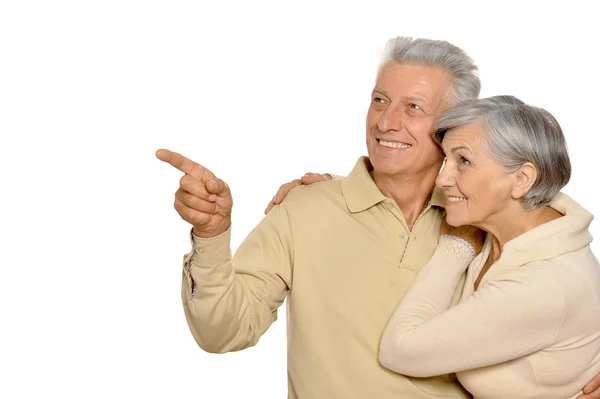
202	199
591	390
470	234
307	179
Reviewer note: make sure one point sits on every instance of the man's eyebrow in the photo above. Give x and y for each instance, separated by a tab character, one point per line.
405	98
416	99
381	91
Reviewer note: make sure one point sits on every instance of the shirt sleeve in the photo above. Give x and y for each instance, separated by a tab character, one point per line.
230	302
515	314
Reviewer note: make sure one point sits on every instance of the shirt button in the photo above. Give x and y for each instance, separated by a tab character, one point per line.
201	250
402	235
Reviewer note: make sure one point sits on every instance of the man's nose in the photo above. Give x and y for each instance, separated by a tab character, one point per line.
393	119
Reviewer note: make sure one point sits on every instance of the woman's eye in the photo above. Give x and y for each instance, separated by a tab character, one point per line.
464	161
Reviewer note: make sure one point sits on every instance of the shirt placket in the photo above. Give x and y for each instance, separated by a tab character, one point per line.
406	236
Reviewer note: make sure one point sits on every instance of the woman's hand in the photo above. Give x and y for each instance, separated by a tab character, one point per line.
283	191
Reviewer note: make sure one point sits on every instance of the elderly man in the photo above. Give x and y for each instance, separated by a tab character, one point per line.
342	252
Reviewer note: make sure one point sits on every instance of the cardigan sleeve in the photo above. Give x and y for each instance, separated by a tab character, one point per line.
511	315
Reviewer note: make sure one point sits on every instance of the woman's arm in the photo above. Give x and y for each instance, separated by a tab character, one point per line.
509	317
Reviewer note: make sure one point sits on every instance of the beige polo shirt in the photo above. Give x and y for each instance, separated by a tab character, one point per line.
343	255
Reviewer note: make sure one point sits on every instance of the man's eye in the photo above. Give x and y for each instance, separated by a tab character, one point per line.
464	161
414	106
377	100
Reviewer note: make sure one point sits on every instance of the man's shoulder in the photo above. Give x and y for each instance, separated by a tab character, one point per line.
316	195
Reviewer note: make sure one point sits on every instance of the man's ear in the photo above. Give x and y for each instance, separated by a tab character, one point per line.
525	176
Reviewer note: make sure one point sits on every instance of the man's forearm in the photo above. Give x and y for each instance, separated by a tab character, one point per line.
229	307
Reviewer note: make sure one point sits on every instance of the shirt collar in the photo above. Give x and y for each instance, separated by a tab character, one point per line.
361	193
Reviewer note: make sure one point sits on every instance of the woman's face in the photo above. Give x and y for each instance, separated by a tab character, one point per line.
477	189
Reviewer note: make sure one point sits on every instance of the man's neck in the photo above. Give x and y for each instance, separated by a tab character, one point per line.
410	192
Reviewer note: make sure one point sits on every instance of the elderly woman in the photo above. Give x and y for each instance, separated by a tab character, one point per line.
528	322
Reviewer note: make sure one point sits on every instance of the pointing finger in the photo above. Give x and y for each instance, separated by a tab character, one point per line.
181	163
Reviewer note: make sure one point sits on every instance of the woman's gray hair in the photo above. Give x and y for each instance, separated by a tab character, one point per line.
437	53
516	133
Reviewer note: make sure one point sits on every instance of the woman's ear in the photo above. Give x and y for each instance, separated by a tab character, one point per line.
526	176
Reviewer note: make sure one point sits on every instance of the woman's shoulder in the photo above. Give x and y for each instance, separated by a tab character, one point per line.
569	278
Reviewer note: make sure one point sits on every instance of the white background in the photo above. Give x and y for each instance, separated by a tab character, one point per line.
90	246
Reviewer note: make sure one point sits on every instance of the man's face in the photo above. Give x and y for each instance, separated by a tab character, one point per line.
405	103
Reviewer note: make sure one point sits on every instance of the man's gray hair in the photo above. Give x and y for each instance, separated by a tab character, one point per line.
516	133
437	53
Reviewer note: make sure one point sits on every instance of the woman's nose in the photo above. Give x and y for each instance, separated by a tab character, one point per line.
445	178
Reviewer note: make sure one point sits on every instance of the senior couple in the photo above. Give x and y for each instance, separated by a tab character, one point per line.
387	295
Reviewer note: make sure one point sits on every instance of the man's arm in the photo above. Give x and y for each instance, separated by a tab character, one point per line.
229	303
